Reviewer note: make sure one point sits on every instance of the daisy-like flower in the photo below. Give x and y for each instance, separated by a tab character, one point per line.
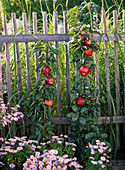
107	160
102	158
12	165
73	149
95	146
19	148
105	148
54	137
48	167
92	151
102	143
103	166
109	150
59	142
94	162
65	136
100	150
90	145
21	144
100	162
25	164
91	158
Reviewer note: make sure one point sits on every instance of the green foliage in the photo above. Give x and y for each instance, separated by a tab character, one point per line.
81	23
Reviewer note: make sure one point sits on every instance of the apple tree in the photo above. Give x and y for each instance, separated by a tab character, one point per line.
84	94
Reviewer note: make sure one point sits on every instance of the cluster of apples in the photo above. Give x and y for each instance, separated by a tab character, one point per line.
48	80
84	70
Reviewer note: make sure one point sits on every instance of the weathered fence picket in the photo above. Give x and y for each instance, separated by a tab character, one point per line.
19	75
107	71
117	77
34	14
124	69
97	71
9	84
58	86
29	86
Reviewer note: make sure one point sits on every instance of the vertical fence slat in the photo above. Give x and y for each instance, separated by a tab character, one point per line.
107	63
117	77
0	58
124	69
29	86
97	71
36	54
67	73
58	86
107	71
45	30
20	92
67	69
9	84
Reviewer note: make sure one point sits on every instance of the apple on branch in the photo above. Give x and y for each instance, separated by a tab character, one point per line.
46	70
80	100
49	80
84	70
48	102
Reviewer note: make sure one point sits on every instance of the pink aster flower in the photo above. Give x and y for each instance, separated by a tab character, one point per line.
103	166
12	165
94	162
102	158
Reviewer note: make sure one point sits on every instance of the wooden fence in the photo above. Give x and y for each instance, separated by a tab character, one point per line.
26	38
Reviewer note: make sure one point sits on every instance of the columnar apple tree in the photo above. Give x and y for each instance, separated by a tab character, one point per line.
84	94
41	96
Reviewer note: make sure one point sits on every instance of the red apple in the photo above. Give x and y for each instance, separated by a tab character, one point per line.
84	70
80	100
46	70
48	102
89	52
83	37
87	42
49	80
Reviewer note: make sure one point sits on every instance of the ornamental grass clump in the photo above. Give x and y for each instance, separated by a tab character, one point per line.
98	155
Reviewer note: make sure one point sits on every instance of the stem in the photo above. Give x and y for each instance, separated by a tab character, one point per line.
9	133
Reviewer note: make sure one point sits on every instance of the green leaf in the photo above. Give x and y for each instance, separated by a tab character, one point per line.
75	96
75	117
70	114
102	100
90	135
82	120
88	119
95	128
104	136
72	135
96	92
75	108
83	110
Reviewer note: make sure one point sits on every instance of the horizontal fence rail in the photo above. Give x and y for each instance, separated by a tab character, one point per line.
33	38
